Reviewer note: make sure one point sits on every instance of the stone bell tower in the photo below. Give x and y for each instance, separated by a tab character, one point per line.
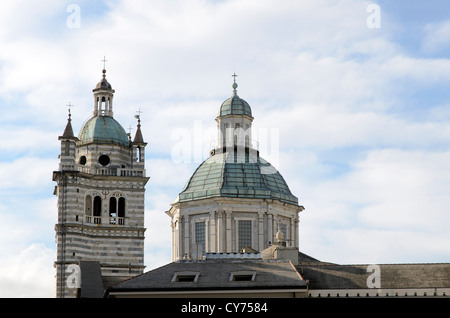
100	185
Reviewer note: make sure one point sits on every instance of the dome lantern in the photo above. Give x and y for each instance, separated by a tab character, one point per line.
234	121
103	96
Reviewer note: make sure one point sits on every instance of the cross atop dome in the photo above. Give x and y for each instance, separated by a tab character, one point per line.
104	62
235	85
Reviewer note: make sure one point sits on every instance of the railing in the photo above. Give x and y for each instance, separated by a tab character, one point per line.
112	220
254	144
121	172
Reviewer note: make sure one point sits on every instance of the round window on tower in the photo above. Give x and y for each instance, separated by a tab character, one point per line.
104	160
82	160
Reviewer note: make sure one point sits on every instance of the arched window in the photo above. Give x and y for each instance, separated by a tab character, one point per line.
112	207
121	210
97	210
82	160
117	211
88	205
112	210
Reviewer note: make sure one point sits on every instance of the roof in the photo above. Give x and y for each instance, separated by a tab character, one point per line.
332	276
242	176
215	274
138	136
103	130
235	106
91	280
68	131
280	274
103	84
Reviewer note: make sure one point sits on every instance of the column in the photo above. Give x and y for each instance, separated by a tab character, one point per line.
261	240
270	227
292	239
212	241
228	232
207	236
186	240
219	233
174	240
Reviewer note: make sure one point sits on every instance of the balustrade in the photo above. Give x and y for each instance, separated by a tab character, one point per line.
112	220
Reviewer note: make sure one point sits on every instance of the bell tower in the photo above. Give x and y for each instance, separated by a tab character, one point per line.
100	186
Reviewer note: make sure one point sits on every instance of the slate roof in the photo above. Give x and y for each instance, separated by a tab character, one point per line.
221	175
396	276
91	280
215	274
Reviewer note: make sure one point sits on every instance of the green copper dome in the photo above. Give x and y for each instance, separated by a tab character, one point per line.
222	176
103	130
235	106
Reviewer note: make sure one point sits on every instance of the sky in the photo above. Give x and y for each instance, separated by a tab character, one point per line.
350	98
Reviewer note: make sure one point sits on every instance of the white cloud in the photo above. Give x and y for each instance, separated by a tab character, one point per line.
29	273
27	172
315	127
384	209
158	237
23	139
436	38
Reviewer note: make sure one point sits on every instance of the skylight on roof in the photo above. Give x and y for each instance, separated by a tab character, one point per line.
242	276
185	277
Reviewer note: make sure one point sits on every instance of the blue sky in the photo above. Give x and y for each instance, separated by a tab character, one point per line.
362	115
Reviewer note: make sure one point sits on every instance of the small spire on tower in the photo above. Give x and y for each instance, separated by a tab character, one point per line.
68	132
235	85
138	137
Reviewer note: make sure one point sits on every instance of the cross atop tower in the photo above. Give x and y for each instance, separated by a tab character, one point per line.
234	75
69	106
139	112
104	62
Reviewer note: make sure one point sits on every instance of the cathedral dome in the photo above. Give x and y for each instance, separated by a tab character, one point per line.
235	105
103	130
103	84
221	176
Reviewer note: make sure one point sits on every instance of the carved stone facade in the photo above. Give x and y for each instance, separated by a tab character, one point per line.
217	225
